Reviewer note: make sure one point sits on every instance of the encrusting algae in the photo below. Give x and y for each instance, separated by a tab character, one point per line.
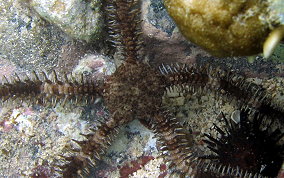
226	28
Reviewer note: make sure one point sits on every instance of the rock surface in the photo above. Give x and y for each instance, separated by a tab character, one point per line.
80	19
27	40
277	11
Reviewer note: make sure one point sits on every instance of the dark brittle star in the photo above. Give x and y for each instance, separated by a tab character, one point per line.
134	91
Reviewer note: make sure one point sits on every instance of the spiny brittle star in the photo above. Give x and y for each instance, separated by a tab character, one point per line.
134	91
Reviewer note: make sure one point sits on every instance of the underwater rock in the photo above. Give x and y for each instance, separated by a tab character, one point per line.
80	19
163	41
278	54
98	66
27	40
227	28
276	9
158	17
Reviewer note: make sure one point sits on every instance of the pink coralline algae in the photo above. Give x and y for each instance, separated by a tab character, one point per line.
129	168
41	172
163	169
6	125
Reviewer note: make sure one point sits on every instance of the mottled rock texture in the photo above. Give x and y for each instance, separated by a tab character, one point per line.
276	9
80	19
27	40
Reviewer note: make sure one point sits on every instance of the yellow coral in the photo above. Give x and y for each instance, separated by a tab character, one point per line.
222	27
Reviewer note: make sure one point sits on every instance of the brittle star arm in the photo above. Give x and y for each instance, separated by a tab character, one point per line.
176	143
177	148
90	150
123	22
228	85
45	90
